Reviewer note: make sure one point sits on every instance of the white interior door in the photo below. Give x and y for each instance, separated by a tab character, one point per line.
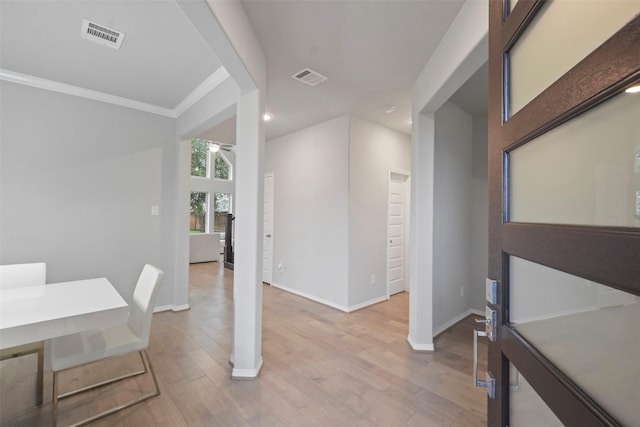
396	234
267	239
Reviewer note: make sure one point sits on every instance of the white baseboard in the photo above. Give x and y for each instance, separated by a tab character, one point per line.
420	347
311	297
368	303
171	307
330	303
246	374
440	329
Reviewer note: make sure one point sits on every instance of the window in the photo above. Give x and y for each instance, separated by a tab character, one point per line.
222	167
198	221
199	158
221	207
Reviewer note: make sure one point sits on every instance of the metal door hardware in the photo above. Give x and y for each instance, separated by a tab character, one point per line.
489	382
491	291
490	324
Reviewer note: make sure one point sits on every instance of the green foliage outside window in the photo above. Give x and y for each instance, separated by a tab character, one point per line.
221	205
199	155
222	167
198	212
199	163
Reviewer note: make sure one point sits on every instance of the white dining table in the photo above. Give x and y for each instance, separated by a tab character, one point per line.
36	313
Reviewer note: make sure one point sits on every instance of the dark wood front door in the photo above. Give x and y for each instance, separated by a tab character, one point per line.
564	246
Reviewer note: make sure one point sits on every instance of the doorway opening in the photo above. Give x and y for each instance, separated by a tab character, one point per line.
212	189
460	236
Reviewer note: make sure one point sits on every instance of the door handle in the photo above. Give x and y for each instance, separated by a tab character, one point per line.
489	382
267	235
490	324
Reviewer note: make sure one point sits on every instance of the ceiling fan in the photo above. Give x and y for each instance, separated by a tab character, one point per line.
214	146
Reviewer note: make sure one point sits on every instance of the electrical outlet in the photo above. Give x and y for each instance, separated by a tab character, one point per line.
154	210
372	281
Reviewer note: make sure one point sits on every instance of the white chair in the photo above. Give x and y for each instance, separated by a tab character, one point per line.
78	349
18	275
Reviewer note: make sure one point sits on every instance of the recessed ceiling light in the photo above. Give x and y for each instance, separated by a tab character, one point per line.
633	89
389	108
267	117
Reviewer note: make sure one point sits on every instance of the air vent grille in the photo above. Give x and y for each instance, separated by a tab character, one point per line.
102	35
309	77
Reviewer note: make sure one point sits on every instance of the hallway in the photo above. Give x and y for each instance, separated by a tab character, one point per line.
322	367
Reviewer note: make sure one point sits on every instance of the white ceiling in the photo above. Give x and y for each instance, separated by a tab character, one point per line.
372	52
162	58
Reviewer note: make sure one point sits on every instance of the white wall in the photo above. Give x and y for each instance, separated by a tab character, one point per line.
452	217
461	215
77	182
460	53
373	150
330	209
479	210
310	230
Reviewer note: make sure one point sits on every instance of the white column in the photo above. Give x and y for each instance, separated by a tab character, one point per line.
180	297
421	254
248	210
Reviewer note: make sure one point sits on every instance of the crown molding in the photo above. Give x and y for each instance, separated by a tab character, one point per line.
204	88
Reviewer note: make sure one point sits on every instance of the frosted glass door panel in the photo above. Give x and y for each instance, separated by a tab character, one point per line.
588	330
585	172
526	408
562	34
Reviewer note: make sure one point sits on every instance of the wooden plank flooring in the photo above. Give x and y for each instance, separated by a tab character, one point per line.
321	367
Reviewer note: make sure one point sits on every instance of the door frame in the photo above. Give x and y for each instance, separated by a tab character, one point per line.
604	73
406	225
272	176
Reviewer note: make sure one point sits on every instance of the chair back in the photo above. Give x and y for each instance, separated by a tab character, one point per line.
17	275
144	301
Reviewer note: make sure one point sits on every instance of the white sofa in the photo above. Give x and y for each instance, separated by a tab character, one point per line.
204	247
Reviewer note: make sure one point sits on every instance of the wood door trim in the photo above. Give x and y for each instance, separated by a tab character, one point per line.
607	255
515	24
609	69
497	409
601	75
570	403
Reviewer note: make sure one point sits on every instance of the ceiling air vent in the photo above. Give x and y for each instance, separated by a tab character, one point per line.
309	77
100	34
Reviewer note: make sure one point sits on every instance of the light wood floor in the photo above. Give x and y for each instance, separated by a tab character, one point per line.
321	367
